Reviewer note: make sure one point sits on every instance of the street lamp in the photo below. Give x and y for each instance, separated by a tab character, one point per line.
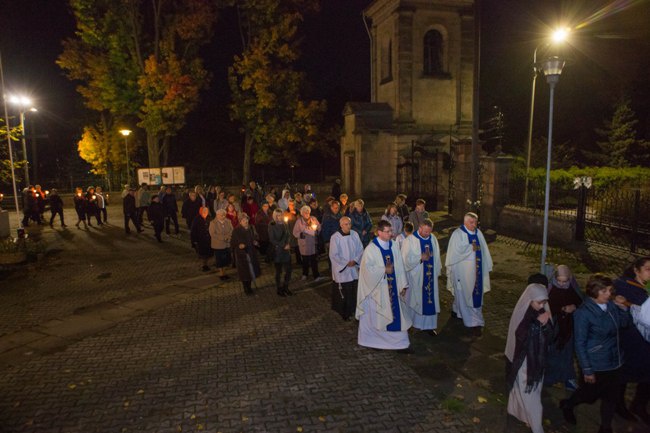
552	68
126	133
558	36
23	103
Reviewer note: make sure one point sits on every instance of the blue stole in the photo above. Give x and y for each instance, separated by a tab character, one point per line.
477	293
387	255
428	304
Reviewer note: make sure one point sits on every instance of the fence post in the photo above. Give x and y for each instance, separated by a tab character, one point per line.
635	220
581	213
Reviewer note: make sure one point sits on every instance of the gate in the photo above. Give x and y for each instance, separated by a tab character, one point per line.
417	176
615	218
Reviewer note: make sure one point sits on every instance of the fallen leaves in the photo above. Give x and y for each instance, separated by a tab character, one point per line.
482	399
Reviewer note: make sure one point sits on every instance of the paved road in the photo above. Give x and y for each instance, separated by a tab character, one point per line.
116	333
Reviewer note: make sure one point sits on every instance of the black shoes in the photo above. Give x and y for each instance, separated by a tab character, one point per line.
477	331
567	412
432	332
205	268
284	291
287	291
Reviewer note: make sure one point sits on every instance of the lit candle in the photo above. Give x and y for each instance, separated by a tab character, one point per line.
47	192
314	226
94	197
79	194
286	220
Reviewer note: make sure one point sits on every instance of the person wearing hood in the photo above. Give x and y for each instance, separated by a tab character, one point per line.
563	299
283	203
528	334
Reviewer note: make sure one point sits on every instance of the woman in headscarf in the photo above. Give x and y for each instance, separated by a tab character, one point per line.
564	299
528	333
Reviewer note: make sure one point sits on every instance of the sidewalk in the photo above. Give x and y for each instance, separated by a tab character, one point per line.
110	333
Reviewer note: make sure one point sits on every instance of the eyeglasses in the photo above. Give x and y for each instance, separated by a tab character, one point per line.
386	231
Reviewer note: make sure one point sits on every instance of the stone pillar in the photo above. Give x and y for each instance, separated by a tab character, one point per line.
404	70
462	177
494	188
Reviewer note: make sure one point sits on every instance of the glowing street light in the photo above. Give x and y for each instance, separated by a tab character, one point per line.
126	133
557	37
24	103
552	68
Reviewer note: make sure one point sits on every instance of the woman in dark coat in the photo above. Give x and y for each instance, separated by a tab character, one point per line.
243	243
92	210
636	367
262	220
80	207
280	239
564	299
200	236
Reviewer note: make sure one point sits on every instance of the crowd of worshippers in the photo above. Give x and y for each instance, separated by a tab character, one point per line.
89	205
606	327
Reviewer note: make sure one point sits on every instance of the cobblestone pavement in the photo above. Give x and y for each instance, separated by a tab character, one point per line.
178	351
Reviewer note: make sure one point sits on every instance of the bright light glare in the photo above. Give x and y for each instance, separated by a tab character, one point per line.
125	132
560	35
21	100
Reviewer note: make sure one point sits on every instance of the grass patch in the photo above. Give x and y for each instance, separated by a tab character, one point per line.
453	405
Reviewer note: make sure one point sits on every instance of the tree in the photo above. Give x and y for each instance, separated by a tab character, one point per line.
278	124
102	148
140	58
619	137
5	162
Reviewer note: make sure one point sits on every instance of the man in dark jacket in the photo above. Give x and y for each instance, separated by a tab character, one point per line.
130	211
156	214
171	209
190	209
56	207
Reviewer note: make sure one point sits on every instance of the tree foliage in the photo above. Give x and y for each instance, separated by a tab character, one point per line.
139	58
5	162
278	123
620	146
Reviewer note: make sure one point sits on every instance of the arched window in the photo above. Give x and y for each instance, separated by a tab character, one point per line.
433	52
386	60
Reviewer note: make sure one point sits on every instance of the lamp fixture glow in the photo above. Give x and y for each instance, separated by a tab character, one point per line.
125	132
560	34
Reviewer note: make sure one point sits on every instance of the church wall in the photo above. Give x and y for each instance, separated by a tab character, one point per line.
386	87
379	155
434	98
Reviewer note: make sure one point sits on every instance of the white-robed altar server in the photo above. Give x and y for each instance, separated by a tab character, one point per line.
468	265
382	311
345	253
421	256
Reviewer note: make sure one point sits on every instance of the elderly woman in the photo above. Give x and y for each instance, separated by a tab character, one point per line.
220	233
596	325
243	243
564	299
636	368
528	335
361	221
200	237
306	231
280	239
394	219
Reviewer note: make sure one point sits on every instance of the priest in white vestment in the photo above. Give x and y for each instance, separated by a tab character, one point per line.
468	265
382	311
345	254
421	256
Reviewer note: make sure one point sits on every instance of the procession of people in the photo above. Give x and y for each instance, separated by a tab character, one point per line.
387	276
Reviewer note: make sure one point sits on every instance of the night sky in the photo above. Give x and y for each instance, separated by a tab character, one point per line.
608	54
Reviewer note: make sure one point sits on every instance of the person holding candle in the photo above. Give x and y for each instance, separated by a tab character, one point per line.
306	232
280	240
80	207
91	206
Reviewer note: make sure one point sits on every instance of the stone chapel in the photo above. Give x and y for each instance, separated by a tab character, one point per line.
422	77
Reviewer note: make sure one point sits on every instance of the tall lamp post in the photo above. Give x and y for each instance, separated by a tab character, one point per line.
552	68
23	103
126	133
558	36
